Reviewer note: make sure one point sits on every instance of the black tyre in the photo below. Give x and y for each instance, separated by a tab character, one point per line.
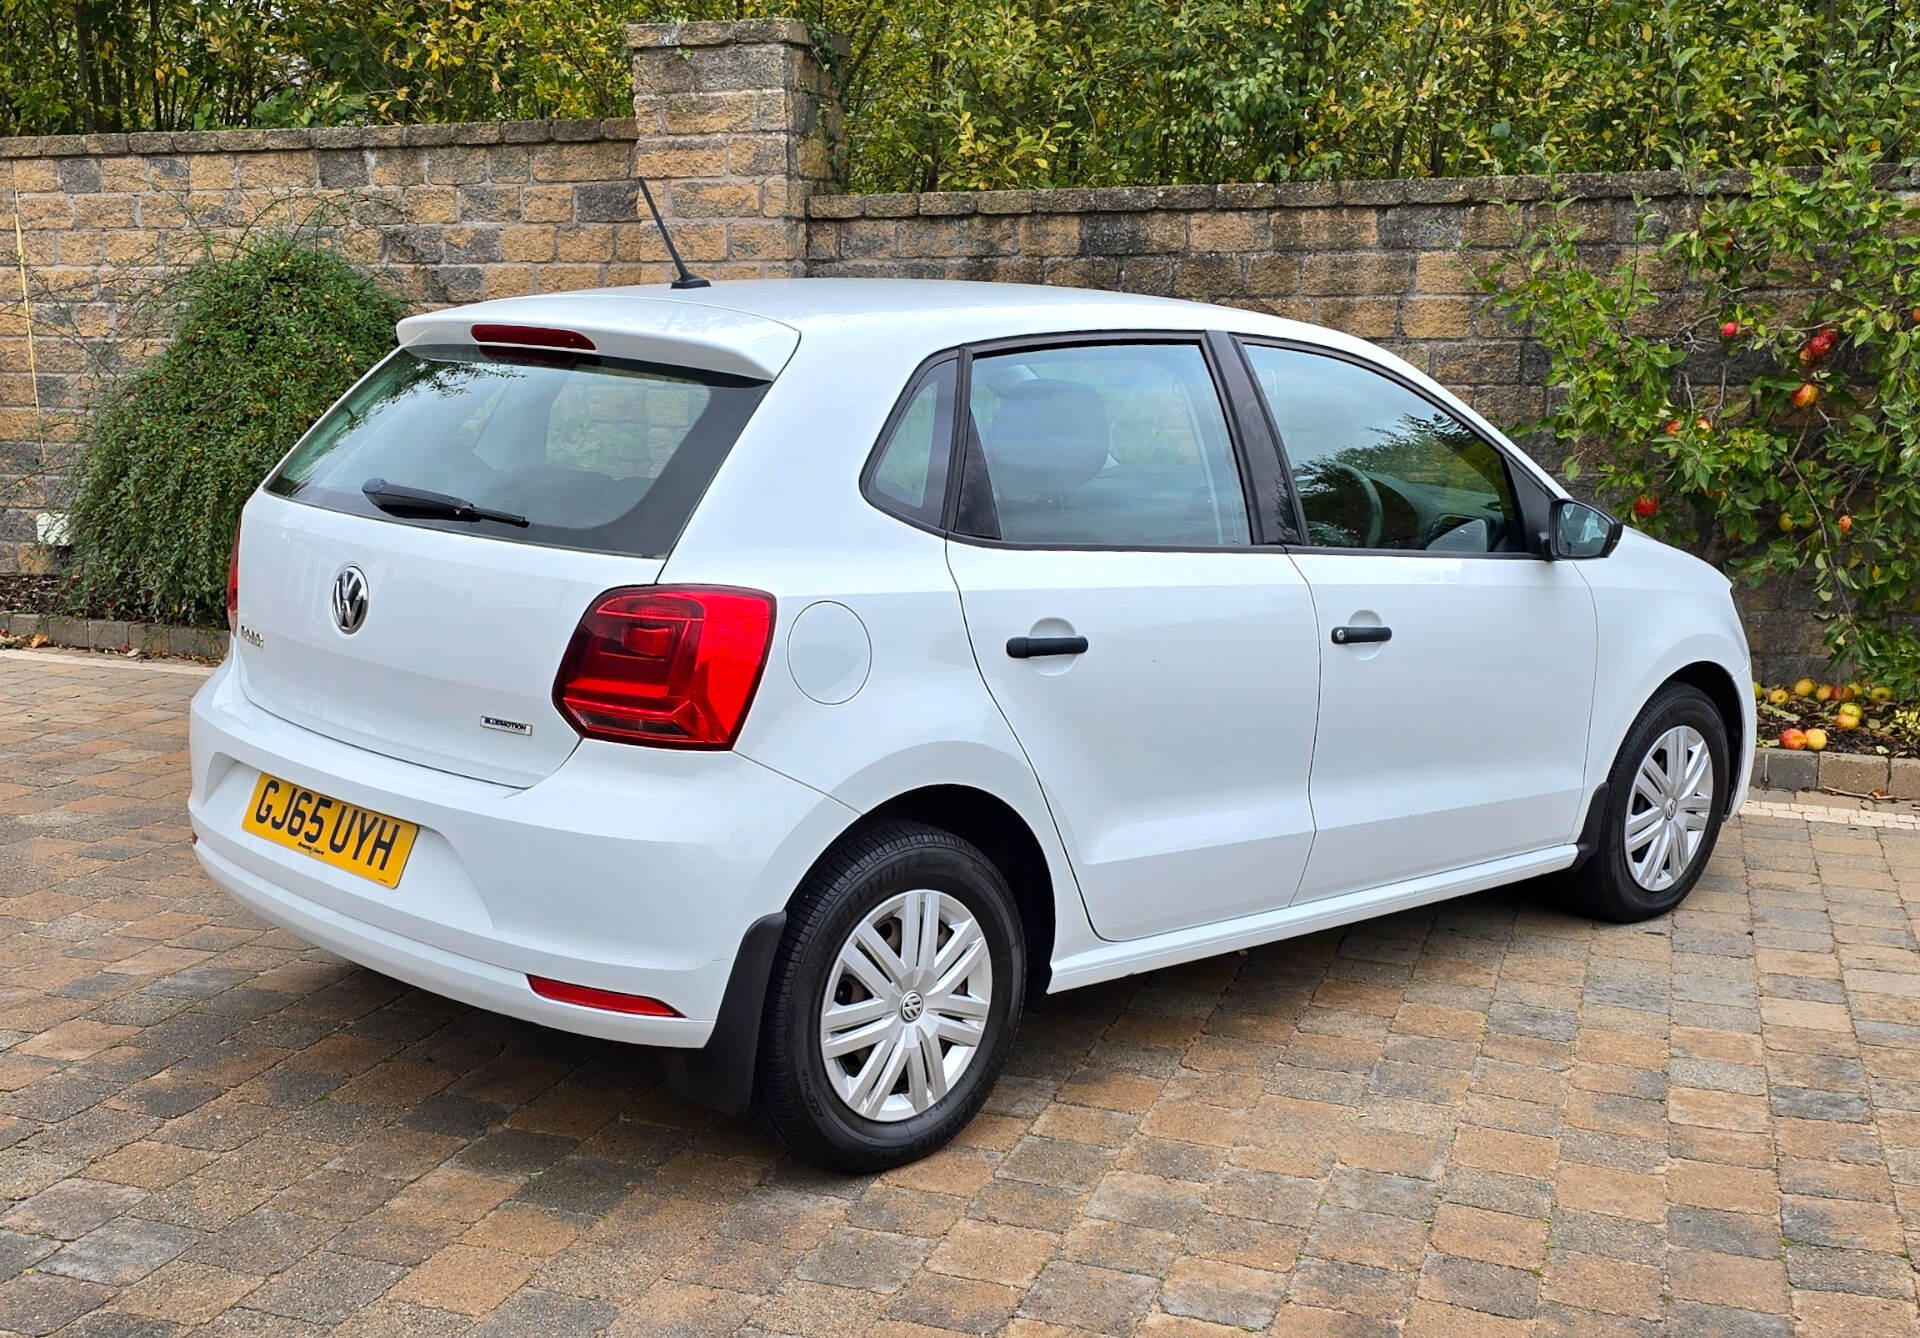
1666	796
911	937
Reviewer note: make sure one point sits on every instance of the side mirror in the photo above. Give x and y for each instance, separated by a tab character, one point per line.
1578	531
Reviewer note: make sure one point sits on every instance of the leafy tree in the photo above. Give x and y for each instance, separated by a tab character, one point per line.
992	93
1769	420
266	334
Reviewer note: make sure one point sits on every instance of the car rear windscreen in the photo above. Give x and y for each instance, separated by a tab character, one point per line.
592	453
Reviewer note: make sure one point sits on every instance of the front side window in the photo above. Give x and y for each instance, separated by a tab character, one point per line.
1108	445
594	453
1377	466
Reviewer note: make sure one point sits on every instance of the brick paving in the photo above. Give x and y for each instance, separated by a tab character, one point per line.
1484	1118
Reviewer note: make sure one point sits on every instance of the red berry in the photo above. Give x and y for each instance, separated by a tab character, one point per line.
1645	505
1673	427
1730	330
1846	524
1806	396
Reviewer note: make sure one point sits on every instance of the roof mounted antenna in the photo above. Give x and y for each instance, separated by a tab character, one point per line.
687	279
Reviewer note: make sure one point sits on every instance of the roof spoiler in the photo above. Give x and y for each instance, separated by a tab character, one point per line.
622	325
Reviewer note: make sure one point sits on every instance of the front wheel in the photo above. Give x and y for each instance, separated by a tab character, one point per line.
894	998
1666	797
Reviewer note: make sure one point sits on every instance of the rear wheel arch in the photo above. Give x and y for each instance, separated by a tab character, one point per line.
1004	837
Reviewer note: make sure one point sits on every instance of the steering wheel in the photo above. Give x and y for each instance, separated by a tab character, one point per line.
1376	514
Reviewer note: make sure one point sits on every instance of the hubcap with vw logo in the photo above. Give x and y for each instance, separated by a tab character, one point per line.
349	600
907	1005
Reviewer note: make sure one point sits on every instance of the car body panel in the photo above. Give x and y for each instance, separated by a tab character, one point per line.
1175	752
679	853
1661	611
1462	739
459	630
591	876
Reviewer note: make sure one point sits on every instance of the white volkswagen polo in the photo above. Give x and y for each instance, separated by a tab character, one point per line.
801	676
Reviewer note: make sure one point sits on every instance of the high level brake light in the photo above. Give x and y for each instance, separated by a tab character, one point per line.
668	666
534	336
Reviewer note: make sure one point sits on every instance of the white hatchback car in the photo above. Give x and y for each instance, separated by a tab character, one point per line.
802	675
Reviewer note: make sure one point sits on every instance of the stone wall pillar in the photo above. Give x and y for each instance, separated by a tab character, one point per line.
735	124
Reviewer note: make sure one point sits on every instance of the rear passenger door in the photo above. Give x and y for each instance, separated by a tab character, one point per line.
1157	662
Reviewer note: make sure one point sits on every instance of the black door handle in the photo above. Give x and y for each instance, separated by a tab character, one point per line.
1354	636
1027	647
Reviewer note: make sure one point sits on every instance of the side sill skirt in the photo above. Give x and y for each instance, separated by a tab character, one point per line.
1108	961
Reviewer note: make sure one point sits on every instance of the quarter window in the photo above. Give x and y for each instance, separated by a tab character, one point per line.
910	474
1378	466
1109	445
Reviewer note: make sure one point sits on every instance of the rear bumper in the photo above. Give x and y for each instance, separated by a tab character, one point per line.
639	871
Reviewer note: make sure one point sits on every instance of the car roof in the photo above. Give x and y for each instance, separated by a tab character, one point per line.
951	311
811	302
752	327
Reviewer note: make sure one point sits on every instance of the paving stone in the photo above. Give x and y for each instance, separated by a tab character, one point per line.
1085	1297
325	1288
19	1252
877	1261
958	1304
1481	1118
72	1208
39	1303
121	1252
1222	1293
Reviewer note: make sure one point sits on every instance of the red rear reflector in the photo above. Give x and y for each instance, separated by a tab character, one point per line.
611	1001
233	583
534	335
671	666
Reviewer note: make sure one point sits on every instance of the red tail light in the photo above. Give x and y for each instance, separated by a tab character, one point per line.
612	1001
233	583
672	666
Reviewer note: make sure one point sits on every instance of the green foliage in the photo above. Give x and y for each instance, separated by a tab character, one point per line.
962	94
267	333
1819	274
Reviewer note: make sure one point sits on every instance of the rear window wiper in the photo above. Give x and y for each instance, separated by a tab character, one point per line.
397	499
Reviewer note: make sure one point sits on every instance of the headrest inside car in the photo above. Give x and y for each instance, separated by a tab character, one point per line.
1048	437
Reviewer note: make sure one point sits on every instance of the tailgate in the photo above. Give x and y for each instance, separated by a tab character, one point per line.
453	666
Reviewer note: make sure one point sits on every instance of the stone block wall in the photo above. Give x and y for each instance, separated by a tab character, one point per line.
734	126
449	213
1390	261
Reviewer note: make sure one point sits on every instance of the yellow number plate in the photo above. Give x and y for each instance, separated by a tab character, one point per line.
344	835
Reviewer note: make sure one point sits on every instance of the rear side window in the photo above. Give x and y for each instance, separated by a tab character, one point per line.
1108	445
909	473
595	453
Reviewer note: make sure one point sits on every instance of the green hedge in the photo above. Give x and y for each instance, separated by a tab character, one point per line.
264	339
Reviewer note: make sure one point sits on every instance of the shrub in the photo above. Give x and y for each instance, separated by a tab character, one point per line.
1769	417
265	336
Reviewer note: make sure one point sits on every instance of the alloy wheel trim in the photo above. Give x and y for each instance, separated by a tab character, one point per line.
1668	808
906	1005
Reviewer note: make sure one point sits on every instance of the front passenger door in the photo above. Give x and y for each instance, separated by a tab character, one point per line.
1462	738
